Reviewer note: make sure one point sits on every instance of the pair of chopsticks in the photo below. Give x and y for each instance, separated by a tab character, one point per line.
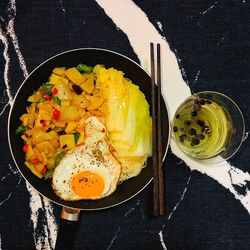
158	178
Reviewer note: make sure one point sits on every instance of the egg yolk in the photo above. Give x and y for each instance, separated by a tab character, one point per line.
87	184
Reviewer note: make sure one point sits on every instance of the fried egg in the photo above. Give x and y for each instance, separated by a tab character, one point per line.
89	171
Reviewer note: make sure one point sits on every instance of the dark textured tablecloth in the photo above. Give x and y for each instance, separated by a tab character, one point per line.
211	40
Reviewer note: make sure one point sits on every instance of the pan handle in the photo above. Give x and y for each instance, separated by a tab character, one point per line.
69	223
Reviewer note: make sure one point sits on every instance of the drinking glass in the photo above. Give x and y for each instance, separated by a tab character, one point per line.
209	127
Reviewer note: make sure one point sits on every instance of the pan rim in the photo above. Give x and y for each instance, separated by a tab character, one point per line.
9	141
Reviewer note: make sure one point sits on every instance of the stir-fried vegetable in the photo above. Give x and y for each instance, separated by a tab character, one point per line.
20	130
59	156
46	89
56	100
84	68
54	122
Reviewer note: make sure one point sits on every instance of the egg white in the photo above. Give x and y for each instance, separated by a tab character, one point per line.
94	156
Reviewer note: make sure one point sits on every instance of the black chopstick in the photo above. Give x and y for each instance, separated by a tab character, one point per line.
158	178
159	135
154	141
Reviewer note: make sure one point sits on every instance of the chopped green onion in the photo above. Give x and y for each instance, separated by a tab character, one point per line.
56	100
48	174
84	68
20	130
46	88
59	156
77	136
42	100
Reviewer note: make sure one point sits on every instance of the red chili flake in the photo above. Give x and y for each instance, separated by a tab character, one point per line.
44	123
46	97
44	170
54	91
36	161
56	113
25	148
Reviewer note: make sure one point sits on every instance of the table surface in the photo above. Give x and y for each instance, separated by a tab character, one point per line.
205	46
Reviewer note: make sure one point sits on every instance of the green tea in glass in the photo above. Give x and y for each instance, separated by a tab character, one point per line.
208	125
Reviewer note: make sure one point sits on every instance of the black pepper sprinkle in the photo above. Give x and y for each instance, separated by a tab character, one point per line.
175	129
208	101
177	116
188	123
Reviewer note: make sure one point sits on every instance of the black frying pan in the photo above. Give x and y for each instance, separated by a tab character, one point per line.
89	56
